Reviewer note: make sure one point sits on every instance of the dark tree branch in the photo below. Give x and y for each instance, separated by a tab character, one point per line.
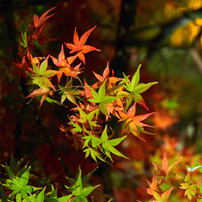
125	29
120	63
11	29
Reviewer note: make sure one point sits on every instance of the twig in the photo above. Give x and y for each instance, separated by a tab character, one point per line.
197	58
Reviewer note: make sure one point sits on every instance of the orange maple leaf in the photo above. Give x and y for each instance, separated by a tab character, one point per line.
86	91
39	26
166	170
112	79
105	74
152	186
40	92
62	61
69	71
79	46
114	107
134	122
64	65
157	193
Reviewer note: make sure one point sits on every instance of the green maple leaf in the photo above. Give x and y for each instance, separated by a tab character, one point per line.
76	128
108	145
42	75
101	98
88	117
135	88
94	154
24	39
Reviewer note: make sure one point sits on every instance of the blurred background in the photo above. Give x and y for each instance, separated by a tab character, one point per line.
165	36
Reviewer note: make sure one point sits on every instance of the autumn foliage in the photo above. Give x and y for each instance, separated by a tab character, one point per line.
90	108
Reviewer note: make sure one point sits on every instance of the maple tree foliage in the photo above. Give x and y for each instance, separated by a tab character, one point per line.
92	106
79	45
95	104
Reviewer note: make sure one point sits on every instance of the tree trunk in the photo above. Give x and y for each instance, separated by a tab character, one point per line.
125	30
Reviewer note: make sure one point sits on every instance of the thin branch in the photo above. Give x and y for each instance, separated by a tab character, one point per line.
197	58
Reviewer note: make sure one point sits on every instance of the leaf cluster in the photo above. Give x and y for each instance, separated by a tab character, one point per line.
95	104
163	182
17	188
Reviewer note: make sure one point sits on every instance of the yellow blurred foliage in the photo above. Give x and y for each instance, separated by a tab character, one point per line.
171	10
194	4
185	35
175	9
199	21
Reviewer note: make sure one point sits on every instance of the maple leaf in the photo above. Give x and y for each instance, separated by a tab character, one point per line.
101	98
133	123
114	107
88	118
135	88
103	143
39	21
73	72
166	170
62	61
152	186
40	92
79	44
64	65
23	43
156	193
163	197
108	145
105	74
22	68
68	93
41	75
111	80
86	91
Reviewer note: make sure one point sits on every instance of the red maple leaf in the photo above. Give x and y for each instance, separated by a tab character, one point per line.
79	45
22	68
39	21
